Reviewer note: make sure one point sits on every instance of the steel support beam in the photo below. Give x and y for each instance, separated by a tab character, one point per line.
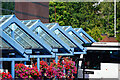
25	63
1	64
13	69
56	58
38	64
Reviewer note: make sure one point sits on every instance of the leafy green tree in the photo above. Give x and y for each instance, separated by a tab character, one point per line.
8	8
95	33
118	21
85	15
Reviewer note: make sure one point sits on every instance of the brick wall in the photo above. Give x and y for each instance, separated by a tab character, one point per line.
32	10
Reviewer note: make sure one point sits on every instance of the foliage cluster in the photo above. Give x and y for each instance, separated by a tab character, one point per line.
95	20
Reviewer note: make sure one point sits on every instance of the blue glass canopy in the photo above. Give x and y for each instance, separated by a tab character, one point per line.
8	47
86	36
22	40
65	37
48	37
14	30
74	34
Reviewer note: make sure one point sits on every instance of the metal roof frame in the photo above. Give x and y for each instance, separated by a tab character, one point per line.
15	46
80	30
14	19
40	24
56	26
69	28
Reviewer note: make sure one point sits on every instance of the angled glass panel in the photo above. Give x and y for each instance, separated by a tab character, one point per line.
25	22
75	37
21	37
4	18
64	28
85	37
76	29
30	23
49	26
46	37
64	38
3	44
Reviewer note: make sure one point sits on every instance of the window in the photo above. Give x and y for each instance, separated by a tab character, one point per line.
49	26
46	37
64	28
21	37
64	38
3	44
75	37
85	37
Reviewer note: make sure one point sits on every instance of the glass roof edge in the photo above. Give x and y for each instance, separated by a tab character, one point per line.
19	51
76	34
66	27
10	17
50	33
72	40
51	23
30	20
69	28
33	36
76	29
81	30
12	43
59	40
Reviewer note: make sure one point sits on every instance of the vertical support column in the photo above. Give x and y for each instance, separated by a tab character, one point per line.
43	59
80	62
38	64
83	68
56	58
63	66
13	62
1	64
13	69
25	63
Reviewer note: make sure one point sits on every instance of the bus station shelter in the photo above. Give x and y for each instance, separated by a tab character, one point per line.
22	40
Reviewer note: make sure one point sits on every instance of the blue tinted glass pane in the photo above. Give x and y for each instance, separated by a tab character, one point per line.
22	37
4	18
49	26
3	44
64	38
75	37
64	28
85	37
46	37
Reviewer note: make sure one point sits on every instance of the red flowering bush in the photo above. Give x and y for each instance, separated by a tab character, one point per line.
62	69
70	67
4	75
25	72
50	72
43	67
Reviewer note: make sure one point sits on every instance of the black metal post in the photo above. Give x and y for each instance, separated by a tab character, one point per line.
83	68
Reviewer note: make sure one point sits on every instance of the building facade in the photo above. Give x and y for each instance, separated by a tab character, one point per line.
32	10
